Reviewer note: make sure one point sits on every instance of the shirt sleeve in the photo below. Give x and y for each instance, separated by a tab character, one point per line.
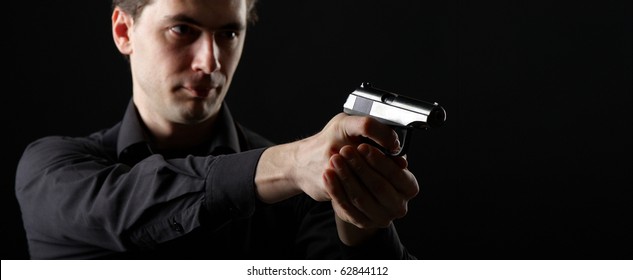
385	245
79	203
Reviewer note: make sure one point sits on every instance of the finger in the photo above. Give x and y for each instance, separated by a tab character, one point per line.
343	208
401	161
392	203
358	195
402	179
381	134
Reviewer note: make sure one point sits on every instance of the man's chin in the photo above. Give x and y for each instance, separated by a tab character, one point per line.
197	111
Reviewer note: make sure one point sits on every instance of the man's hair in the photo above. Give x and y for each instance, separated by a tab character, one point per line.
135	7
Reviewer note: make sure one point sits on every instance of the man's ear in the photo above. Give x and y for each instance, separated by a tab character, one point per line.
121	29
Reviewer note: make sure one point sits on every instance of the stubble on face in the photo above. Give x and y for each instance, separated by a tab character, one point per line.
170	86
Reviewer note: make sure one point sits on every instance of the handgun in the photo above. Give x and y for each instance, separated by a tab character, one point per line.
398	111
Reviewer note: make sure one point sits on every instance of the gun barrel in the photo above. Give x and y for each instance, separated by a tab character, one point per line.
394	109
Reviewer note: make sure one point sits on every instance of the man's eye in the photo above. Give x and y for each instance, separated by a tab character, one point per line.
228	34
182	29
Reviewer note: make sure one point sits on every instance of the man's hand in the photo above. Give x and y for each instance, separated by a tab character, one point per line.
367	188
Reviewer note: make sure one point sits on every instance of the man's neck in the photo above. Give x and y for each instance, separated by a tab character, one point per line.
178	137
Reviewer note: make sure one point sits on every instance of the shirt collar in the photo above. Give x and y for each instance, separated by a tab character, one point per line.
133	142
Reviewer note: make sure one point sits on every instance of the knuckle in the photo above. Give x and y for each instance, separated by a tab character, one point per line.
357	221
401	211
357	166
357	201
414	191
366	124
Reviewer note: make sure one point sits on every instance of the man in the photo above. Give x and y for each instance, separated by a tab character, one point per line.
178	178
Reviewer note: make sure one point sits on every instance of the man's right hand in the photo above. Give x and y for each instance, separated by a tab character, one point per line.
288	169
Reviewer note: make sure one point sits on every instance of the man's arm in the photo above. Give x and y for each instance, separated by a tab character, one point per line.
78	202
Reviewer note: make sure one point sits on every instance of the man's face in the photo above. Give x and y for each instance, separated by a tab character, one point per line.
183	55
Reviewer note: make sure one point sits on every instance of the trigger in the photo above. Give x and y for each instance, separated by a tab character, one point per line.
405	136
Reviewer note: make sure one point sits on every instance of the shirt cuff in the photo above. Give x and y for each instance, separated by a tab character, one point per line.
385	245
230	189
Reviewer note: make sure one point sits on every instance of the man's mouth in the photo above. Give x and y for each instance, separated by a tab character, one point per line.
200	91
203	87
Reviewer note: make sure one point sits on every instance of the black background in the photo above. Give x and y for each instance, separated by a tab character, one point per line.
534	161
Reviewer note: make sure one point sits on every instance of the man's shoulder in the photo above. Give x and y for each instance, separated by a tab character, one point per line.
60	142
51	147
95	140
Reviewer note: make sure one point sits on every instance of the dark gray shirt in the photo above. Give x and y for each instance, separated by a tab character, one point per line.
111	195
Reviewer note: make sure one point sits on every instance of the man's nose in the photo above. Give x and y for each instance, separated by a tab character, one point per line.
205	57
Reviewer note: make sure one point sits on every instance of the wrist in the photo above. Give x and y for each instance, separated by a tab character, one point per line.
274	177
352	235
